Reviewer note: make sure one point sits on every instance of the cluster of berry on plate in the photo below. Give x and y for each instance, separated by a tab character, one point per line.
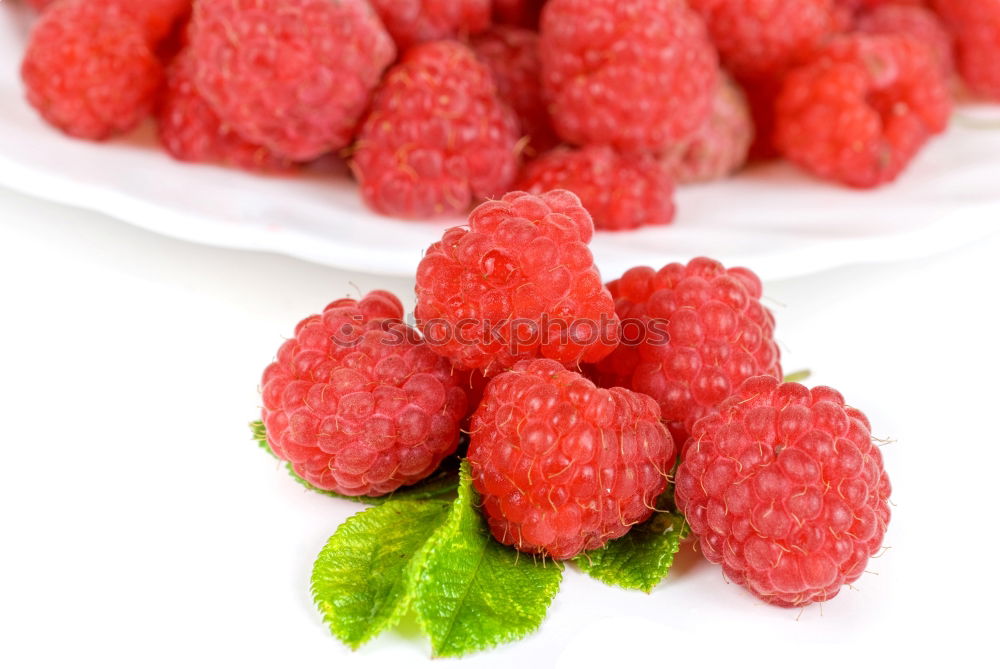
439	105
587	407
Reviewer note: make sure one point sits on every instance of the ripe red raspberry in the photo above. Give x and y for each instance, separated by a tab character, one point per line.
89	69
690	335
511	54
914	20
863	109
620	192
524	13
976	27
721	145
758	38
437	137
517	283
784	488
634	75
292	75
191	130
414	21
564	466
357	403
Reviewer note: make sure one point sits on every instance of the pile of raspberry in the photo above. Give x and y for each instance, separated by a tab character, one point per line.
582	402
437	106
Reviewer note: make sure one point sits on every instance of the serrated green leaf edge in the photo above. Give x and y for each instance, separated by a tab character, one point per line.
471	593
361	580
440	484
640	559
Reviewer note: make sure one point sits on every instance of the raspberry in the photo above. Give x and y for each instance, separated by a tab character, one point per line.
518	282
564	466
976	27
191	130
414	21
690	335
511	54
634	75
89	70
357	403
437	137
292	75
784	488
764	37
918	22
721	145
524	13
620	192
863	109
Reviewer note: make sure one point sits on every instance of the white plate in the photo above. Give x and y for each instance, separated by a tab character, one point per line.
773	219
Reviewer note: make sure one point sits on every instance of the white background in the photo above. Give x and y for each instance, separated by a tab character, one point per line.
140	526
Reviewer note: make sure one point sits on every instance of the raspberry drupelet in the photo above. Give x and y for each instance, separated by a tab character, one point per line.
638	76
517	282
784	488
563	466
690	335
357	403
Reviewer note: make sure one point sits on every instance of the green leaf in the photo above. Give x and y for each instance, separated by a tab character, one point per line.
360	580
640	559
470	592
440	484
